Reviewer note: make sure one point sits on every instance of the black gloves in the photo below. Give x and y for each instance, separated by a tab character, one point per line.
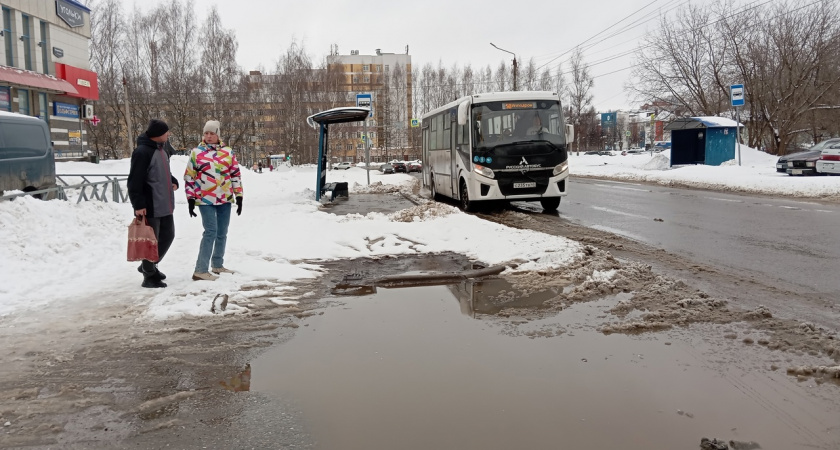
238	206
192	207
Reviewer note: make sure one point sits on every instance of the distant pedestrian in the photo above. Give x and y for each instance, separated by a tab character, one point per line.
271	167
151	190
259	167
213	183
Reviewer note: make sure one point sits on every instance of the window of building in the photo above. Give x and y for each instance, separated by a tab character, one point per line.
7	36
5	98
365	67
378	67
27	44
23	101
355	78
43	107
45	60
367	79
387	68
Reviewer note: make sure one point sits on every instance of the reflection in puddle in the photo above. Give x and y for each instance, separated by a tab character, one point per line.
404	368
239	382
492	295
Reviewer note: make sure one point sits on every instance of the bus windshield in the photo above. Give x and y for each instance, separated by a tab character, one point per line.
506	122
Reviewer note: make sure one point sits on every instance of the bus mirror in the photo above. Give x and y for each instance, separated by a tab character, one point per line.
464	113
570	133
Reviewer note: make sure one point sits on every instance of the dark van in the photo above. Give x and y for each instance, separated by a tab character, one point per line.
27	162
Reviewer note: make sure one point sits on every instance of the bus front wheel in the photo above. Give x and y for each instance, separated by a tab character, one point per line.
550	204
465	203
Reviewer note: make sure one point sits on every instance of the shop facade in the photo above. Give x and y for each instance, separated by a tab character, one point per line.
45	68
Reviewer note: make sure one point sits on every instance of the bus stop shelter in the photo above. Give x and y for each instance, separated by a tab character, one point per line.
702	140
321	121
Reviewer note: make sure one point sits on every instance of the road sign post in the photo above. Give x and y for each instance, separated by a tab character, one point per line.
366	100
736	95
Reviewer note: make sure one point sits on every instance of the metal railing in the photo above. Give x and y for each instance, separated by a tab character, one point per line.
109	189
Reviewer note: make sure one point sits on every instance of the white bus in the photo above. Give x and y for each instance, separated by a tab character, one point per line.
497	146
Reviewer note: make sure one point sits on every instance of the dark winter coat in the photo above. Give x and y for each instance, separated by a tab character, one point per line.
149	180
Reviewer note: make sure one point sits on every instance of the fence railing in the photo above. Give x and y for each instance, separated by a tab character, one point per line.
109	189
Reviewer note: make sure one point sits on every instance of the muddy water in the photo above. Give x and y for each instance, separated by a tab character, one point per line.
419	368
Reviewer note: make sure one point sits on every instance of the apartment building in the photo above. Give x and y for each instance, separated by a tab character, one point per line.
45	67
388	128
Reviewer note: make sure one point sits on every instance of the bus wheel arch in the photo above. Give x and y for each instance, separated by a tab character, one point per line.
464	197
550	204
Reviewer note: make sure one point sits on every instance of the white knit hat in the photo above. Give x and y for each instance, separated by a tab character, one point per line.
212	125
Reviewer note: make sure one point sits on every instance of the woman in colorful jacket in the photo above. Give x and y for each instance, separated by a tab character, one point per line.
213	183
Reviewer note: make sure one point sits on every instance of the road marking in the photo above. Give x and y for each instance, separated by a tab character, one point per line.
724	199
621	213
623	188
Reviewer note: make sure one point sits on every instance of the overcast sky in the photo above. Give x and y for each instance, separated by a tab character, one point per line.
448	31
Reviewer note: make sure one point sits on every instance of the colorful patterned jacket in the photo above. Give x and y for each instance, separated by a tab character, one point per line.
212	176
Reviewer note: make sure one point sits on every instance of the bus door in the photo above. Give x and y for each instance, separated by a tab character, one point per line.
453	154
426	161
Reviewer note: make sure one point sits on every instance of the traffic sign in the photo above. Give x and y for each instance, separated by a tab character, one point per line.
415	123
94	121
736	94
365	101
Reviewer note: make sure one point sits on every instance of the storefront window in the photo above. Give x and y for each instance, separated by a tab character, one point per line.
43	107
5	99
23	101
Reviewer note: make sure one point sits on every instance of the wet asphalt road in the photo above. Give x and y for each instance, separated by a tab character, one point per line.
784	242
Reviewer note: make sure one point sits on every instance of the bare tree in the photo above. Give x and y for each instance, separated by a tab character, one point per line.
580	90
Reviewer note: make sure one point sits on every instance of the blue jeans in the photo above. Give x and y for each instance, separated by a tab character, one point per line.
215	219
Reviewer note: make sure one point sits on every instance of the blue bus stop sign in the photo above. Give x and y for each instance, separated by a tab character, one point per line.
736	94
365	101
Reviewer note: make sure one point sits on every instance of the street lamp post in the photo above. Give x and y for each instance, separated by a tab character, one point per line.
515	67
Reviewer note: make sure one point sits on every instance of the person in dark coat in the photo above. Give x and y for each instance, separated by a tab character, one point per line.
151	189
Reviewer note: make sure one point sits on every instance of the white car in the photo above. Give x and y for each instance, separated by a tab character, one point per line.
342	166
829	162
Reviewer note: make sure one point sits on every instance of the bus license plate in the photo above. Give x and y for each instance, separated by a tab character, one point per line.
530	184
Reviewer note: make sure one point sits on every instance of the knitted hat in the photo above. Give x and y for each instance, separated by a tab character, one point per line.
212	125
156	128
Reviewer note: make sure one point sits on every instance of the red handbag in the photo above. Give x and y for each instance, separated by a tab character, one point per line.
142	243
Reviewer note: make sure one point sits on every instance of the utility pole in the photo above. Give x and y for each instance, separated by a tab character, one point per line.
515	66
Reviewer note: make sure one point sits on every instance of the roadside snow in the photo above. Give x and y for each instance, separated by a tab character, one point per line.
61	254
756	174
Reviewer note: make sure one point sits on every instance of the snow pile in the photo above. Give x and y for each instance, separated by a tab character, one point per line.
61	254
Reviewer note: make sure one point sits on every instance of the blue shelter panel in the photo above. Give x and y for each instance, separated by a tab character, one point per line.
720	145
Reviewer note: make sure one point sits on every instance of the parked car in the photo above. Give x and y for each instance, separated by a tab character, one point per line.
399	166
27	162
386	168
342	166
635	151
414	166
598	152
804	163
829	162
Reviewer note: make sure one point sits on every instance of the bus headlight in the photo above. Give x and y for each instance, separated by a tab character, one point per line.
484	171
560	168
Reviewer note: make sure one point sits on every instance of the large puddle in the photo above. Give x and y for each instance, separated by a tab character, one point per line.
425	368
